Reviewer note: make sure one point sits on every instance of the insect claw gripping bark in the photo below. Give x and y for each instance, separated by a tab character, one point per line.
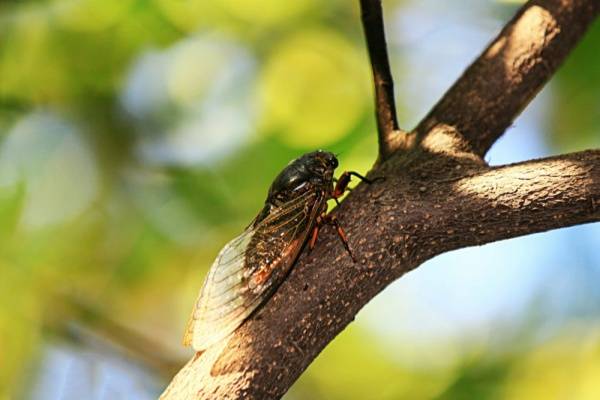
332	220
342	182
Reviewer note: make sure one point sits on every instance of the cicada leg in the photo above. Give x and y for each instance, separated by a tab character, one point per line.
332	220
326	219
315	233
341	183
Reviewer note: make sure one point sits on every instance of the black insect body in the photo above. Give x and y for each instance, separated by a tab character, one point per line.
251	266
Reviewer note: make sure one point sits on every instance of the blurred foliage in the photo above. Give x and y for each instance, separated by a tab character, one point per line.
316	74
566	367
575	115
138	136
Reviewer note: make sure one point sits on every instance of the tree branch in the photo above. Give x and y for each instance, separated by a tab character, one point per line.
519	199
390	135
393	227
437	197
494	90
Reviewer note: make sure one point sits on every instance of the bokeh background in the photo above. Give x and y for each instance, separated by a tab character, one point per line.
138	136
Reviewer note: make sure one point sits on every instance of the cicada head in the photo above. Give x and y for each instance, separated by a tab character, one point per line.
315	168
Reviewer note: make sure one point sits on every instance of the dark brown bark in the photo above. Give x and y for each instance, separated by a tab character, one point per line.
422	209
438	195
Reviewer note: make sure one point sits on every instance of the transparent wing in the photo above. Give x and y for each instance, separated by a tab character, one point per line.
213	317
248	269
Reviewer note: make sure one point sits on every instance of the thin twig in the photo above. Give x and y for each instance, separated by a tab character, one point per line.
385	107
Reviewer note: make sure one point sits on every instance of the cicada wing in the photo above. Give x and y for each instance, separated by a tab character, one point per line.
248	269
220	307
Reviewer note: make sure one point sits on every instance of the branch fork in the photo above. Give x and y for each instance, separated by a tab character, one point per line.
439	195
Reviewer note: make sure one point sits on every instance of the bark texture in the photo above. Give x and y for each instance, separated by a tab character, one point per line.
495	89
438	195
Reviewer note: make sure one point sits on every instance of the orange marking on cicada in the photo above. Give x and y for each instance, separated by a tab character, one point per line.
344	180
315	233
332	220
263	274
341	185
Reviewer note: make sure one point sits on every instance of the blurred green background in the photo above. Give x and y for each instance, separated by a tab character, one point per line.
138	136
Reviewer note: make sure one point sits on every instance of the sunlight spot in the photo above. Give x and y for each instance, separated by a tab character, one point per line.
502	184
529	35
496	48
445	139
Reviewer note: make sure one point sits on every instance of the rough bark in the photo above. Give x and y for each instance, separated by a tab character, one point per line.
438	195
421	210
493	91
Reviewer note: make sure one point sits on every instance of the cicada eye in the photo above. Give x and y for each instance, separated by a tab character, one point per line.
333	163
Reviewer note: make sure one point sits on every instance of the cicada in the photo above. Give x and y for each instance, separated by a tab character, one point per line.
249	268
